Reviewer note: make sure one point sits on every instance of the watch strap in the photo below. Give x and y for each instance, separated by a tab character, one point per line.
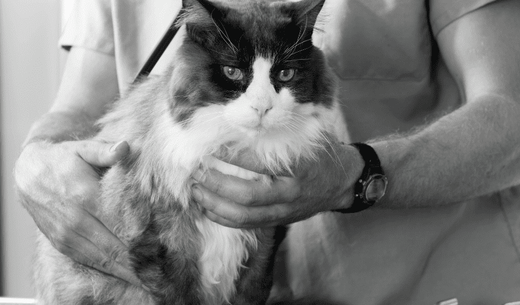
372	165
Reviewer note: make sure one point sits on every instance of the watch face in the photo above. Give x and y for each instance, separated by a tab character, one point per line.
375	188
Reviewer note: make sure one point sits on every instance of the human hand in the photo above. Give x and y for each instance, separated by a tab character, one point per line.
317	185
58	184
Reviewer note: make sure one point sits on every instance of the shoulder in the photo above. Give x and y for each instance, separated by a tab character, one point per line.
444	12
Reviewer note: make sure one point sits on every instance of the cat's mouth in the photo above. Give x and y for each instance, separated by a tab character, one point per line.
254	126
256	131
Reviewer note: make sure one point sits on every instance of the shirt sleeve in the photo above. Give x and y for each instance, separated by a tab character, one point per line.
90	26
444	12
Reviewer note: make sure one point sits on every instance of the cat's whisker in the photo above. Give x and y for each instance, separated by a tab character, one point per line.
297	52
300	36
225	36
205	127
293	127
210	114
299	41
300	118
207	122
226	56
296	129
296	60
335	158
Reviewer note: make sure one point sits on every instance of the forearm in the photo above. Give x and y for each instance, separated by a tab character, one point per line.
59	126
88	87
468	153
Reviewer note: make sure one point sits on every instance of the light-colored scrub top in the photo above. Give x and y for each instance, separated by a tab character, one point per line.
392	79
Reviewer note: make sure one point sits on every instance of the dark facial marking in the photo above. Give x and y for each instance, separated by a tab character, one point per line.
235	36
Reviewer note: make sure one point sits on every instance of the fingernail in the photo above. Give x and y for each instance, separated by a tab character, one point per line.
192	182
196	193
197	175
127	275
116	146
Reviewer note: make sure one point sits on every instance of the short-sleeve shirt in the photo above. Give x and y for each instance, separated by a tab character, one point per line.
392	79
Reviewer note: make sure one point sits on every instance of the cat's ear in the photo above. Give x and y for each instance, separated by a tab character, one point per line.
306	12
203	19
203	9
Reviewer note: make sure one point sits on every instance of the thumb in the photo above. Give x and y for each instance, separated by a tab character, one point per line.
102	154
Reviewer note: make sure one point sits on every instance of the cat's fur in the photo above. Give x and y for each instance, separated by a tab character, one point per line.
187	119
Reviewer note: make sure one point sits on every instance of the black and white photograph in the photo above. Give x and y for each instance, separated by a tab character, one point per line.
251	152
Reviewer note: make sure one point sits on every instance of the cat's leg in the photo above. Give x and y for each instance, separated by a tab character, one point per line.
172	276
255	281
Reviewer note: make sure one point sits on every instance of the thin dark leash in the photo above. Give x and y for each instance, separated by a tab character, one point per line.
159	49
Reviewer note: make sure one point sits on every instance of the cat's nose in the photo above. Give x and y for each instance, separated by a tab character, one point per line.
262	110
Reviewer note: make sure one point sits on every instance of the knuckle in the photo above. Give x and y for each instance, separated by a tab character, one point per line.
62	236
241	219
251	196
28	171
293	190
105	263
71	147
217	186
96	153
60	246
70	228
63	242
115	253
88	263
104	154
77	145
83	193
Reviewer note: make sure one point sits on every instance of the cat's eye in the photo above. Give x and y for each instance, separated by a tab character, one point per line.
286	75
232	73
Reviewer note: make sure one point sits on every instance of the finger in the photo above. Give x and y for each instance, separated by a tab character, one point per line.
102	154
247	160
104	249
231	214
242	222
256	217
248	192
221	220
107	242
86	253
241	190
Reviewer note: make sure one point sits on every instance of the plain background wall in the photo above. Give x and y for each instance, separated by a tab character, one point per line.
30	69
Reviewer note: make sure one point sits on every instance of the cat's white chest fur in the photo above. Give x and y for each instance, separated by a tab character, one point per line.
224	249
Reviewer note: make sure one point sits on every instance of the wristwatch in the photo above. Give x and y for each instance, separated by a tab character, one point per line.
372	184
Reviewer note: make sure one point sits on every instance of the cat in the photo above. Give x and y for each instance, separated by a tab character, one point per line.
246	78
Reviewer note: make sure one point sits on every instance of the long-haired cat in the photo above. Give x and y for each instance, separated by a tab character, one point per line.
247	78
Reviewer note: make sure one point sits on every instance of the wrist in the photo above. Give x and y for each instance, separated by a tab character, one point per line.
353	165
370	186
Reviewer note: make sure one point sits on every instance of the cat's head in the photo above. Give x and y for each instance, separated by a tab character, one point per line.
251	65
